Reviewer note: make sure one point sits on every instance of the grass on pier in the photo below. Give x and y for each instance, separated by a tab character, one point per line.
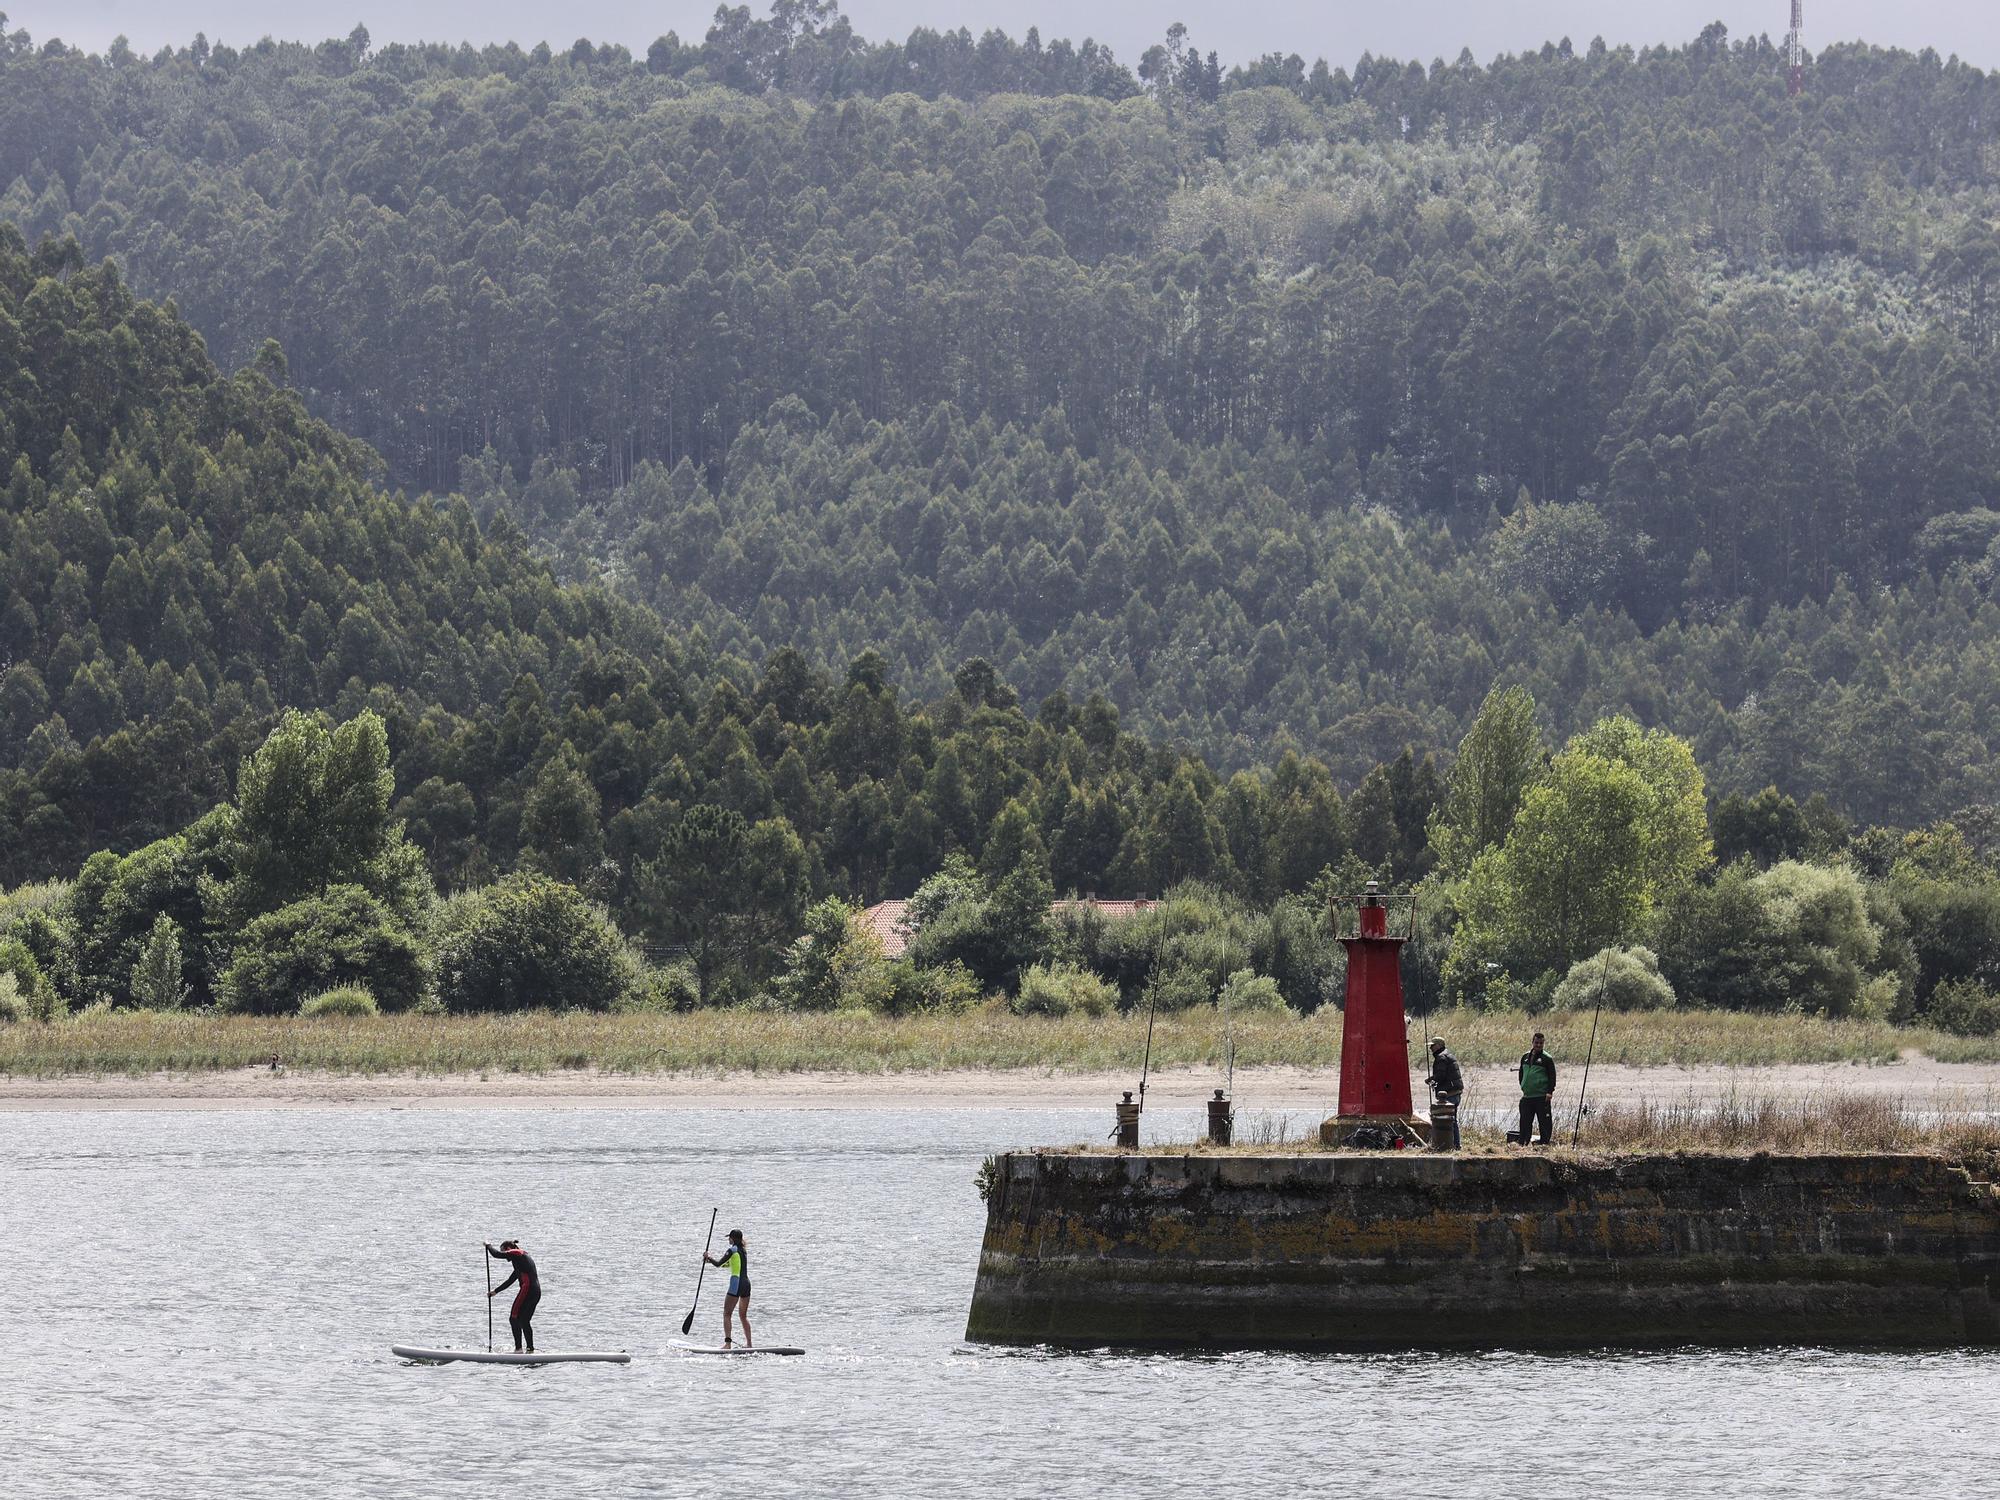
725	1041
1823	1123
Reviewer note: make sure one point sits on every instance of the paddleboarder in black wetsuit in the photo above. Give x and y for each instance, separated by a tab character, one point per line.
521	1316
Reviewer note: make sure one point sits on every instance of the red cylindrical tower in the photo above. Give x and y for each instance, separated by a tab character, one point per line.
1374	1036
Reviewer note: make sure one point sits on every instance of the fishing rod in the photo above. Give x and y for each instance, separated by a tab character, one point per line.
1583	1092
1145	1068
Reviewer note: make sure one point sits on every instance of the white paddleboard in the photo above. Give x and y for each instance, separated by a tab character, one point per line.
481	1357
683	1348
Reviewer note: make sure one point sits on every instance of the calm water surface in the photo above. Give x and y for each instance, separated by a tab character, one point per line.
202	1304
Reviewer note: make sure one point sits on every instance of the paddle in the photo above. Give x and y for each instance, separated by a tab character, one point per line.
687	1323
489	1297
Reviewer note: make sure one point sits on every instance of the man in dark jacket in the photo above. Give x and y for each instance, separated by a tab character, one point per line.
1448	1087
1538	1086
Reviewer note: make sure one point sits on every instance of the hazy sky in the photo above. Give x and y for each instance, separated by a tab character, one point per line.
1338	29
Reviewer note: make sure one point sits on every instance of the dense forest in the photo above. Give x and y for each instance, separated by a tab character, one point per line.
1285	404
788	470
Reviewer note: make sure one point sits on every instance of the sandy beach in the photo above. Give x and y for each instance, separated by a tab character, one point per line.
1916	1081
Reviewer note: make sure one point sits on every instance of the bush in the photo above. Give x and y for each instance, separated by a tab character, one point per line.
37	997
833	965
1195	928
12	1007
1061	990
1179	988
157	982
666	988
533	943
1964	1007
1629	977
341	936
1247	991
346	1000
907	989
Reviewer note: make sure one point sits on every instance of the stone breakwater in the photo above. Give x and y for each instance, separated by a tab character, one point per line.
1397	1251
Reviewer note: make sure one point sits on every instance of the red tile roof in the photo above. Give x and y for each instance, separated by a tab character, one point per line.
886	919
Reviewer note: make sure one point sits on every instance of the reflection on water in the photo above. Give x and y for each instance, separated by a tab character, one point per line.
202	1304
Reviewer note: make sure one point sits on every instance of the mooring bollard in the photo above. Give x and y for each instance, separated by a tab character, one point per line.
1128	1122
1220	1117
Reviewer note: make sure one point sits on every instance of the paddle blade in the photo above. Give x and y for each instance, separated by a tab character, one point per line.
687	1323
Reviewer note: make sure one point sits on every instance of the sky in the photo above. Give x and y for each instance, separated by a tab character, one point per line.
1340	30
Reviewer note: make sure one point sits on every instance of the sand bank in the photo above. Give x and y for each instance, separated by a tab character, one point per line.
1917	1081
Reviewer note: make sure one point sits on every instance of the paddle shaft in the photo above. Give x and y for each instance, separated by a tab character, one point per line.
687	1323
489	1297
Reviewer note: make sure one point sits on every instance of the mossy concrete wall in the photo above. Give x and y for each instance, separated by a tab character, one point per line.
1398	1250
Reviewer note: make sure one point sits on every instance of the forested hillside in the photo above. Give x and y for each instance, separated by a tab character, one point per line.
1285	404
183	554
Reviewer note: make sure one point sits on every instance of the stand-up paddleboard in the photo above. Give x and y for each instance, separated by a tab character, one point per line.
481	1357
685	1348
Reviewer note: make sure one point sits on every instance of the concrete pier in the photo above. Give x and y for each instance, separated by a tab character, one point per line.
1341	1251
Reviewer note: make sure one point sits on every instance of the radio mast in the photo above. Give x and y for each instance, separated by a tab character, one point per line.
1795	52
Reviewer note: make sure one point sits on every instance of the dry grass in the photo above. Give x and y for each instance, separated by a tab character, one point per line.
1817	1124
766	1042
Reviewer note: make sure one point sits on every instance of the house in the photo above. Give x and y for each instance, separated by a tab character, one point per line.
886	920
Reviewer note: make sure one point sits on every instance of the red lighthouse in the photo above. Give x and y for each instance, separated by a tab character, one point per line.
1374	1038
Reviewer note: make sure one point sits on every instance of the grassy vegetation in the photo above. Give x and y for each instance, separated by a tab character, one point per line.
718	1041
1737	1125
1824	1122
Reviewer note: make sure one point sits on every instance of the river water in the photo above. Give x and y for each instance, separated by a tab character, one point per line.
201	1304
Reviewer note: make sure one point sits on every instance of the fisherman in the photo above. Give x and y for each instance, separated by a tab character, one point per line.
736	1258
521	1316
1447	1081
1538	1085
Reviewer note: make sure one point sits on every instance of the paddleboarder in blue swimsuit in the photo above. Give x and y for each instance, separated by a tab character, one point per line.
521	1316
735	1258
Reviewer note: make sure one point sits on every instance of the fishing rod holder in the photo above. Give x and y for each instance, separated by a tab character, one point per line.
1127	1129
1221	1119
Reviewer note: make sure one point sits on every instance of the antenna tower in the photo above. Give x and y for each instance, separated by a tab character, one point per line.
1795	52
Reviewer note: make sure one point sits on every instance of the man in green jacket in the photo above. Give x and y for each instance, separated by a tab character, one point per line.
1538	1084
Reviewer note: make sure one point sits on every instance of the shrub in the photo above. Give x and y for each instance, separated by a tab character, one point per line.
1629	977
533	943
1964	1007
1196	928
346	1000
666	988
1179	988
1062	990
156	975
342	936
1247	991
833	965
12	1008
905	989
38	998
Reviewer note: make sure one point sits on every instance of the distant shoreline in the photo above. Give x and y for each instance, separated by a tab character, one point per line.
1304	1093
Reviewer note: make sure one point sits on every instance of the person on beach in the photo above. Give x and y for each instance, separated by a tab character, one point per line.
521	1316
1538	1086
1447	1081
735	1258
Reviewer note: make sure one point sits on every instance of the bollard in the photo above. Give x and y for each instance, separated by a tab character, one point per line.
1444	1125
1128	1123
1220	1118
